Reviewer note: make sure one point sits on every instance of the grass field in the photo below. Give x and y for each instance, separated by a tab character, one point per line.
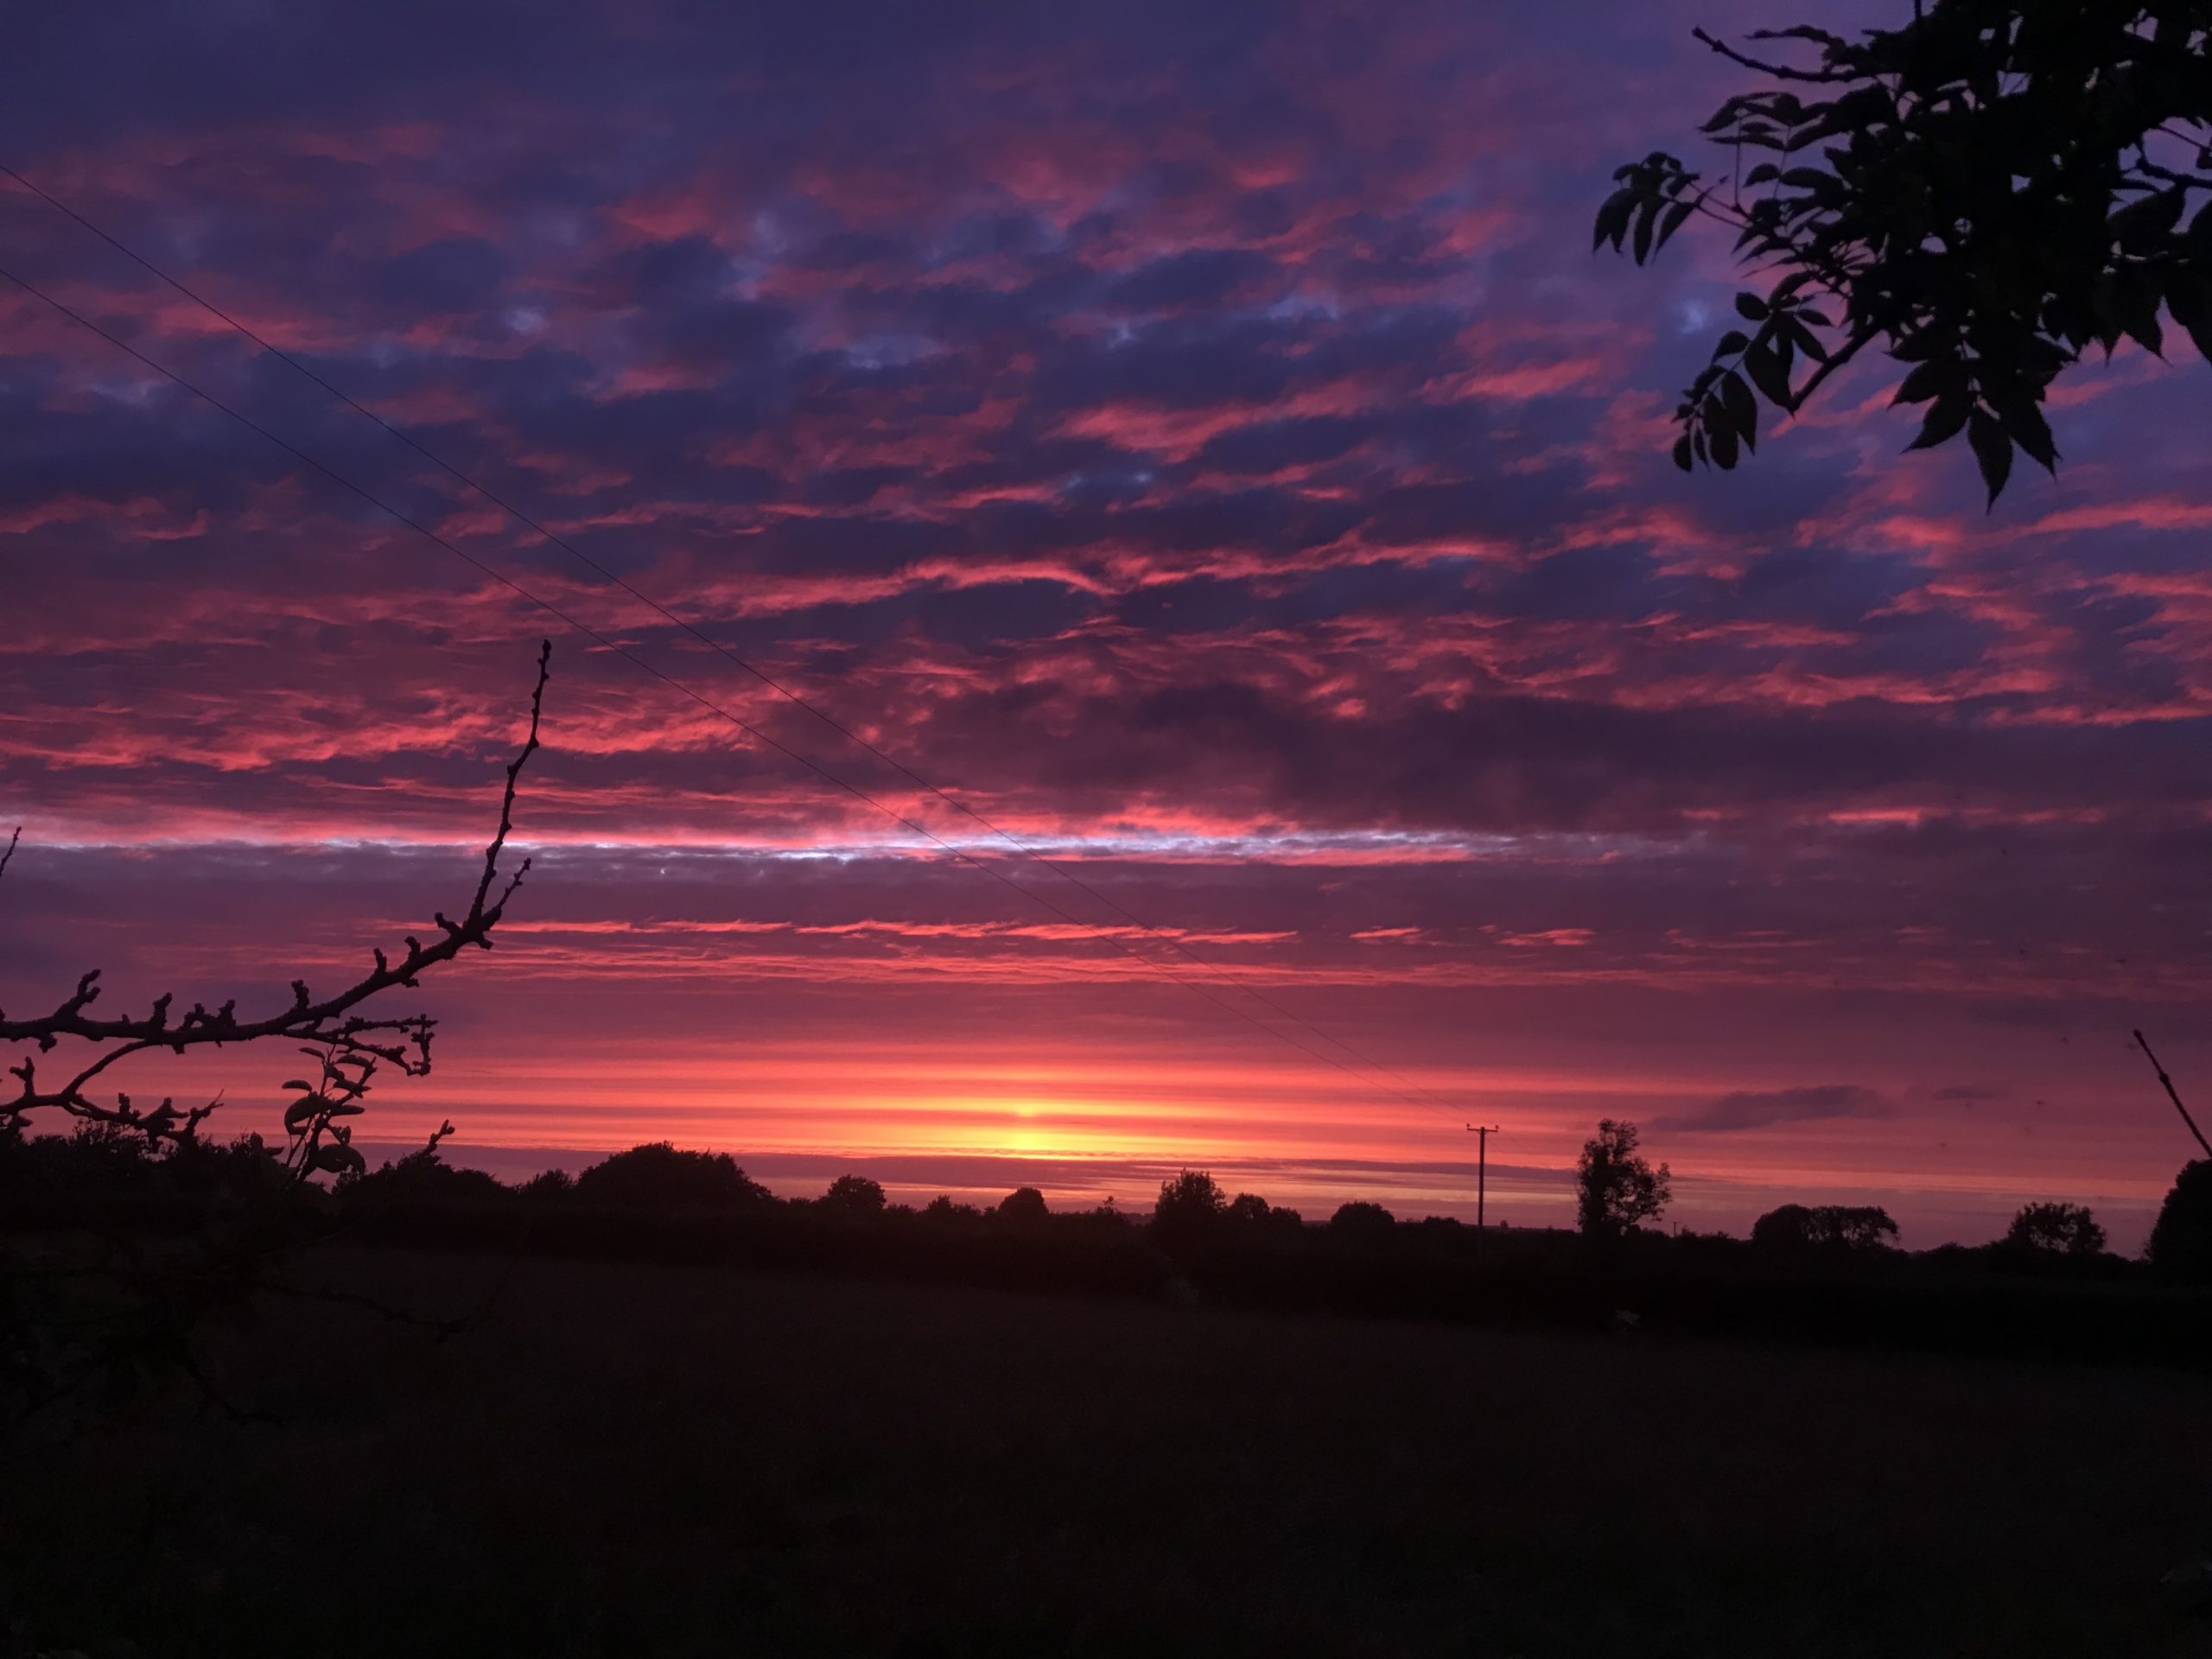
645	1461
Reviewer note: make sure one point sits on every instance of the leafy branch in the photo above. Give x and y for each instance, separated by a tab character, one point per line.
1976	190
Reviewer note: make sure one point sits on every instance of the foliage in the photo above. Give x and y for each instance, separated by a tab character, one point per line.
1988	190
1250	1210
1362	1219
1024	1204
2056	1230
422	1177
1617	1189
2181	1239
548	1186
854	1195
1192	1199
658	1175
1825	1227
92	1311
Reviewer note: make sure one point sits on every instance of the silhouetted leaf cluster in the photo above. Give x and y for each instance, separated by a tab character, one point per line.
1989	190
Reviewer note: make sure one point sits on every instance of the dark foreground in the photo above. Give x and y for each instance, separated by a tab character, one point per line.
644	1460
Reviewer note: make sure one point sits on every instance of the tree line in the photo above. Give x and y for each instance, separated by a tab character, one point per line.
1620	1197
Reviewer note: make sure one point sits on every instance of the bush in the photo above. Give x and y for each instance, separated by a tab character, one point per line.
2181	1240
658	1176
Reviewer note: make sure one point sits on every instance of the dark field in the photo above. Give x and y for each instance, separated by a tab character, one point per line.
655	1460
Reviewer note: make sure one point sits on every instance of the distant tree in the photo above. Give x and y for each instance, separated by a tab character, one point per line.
422	1177
1249	1208
2056	1230
659	1175
1363	1220
2181	1239
942	1208
1617	1189
1192	1199
1024	1204
854	1195
1858	1226
1825	1226
1986	190
1789	1227
548	1186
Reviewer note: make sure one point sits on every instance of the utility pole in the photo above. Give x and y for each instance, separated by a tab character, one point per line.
1482	1171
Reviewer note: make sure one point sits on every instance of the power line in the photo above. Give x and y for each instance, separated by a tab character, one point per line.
785	691
696	695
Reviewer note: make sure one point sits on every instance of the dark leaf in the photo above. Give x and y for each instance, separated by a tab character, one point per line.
1993	452
1928	379
1751	308
1673	220
303	1111
1724	448
1945	416
1803	338
1612	219
339	1159
1682	452
1768	375
1741	408
2024	424
1731	342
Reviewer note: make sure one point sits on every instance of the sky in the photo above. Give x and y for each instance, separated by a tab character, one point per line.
1200	442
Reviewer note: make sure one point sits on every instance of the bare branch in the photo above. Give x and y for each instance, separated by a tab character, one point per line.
10	853
1780	71
330	1026
2172	1096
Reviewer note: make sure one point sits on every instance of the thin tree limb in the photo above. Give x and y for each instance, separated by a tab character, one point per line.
10	853
2172	1096
1779	71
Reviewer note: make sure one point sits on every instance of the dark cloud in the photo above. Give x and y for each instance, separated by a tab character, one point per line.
1761	1108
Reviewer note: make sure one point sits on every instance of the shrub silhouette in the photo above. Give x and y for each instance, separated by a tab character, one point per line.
548	1186
1024	1204
1251	1210
1363	1220
2181	1240
658	1175
854	1195
1824	1227
1193	1200
2055	1230
422	1177
942	1208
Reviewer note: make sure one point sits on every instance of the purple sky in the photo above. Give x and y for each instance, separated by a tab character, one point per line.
1200	437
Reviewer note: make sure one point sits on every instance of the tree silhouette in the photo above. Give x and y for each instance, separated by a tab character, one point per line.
2056	1230
1615	1187
1192	1200
1988	190
659	1175
1825	1227
422	1177
1363	1220
854	1195
1024	1204
2181	1239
